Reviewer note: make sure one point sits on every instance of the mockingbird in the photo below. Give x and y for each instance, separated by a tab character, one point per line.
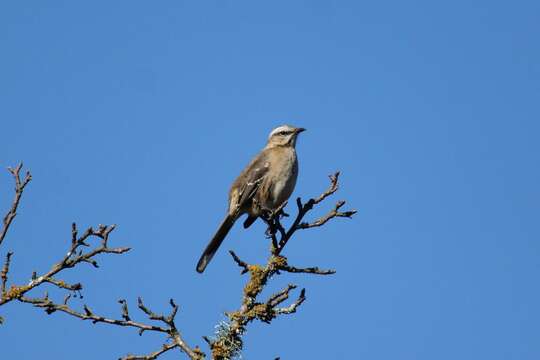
261	188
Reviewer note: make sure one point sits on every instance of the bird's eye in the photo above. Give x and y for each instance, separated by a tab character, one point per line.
283	133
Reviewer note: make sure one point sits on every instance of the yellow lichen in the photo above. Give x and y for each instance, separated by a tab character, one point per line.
256	282
16	291
279	261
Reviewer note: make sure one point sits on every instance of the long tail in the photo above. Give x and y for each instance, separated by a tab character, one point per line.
216	241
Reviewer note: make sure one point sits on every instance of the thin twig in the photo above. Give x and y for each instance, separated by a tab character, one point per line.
281	296
334	186
292	308
4	273
309	270
332	214
19	188
152	356
242	264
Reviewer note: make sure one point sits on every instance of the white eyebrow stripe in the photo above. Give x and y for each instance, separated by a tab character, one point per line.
279	129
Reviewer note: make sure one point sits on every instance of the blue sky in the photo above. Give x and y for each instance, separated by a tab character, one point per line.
142	114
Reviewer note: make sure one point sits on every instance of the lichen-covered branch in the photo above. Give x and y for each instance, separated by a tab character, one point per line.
227	342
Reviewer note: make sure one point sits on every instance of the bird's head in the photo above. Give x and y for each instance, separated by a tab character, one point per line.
284	135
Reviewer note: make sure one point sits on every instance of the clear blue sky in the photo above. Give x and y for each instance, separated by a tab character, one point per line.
142	113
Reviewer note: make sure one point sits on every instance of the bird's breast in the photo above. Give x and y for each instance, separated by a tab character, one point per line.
283	178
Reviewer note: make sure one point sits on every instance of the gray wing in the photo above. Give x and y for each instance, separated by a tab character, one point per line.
248	183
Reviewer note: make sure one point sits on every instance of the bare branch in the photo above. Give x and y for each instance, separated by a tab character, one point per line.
50	307
19	188
125	310
334	186
4	273
281	296
63	285
332	214
70	260
292	308
174	334
310	270
88	314
152	356
240	263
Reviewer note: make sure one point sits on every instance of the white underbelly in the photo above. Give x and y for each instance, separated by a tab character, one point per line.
284	183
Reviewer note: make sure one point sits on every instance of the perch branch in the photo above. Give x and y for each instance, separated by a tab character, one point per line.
228	340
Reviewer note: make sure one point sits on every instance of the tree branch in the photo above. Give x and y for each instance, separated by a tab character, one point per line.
275	224
152	356
309	270
19	188
292	308
227	342
73	257
240	263
87	314
76	255
4	273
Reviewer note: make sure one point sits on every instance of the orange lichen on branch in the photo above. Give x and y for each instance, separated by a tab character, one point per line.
15	292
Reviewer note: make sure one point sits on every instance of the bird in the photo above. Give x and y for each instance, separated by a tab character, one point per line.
261	188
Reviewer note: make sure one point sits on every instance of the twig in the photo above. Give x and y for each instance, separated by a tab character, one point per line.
19	188
334	186
309	270
303	209
152	356
240	263
4	273
332	214
292	308
281	296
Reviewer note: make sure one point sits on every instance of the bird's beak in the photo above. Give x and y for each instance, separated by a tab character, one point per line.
299	130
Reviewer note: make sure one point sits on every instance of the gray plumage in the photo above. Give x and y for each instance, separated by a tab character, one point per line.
266	183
